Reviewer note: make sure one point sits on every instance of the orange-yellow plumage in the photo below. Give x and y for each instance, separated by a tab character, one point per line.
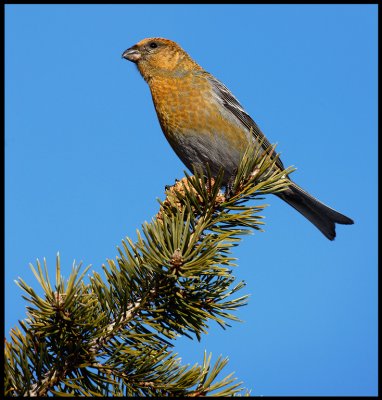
205	124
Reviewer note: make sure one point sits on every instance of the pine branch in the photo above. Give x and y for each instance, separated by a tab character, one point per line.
113	336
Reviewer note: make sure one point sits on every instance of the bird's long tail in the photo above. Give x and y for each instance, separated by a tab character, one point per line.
320	215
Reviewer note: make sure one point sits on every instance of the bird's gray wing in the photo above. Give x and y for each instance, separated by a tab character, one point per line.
231	103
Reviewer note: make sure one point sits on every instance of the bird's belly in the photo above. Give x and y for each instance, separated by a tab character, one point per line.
217	149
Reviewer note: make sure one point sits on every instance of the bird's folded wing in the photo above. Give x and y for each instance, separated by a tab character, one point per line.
232	104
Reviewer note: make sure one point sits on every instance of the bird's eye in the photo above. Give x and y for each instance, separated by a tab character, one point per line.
153	45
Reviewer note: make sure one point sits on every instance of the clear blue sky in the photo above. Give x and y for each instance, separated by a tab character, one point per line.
85	160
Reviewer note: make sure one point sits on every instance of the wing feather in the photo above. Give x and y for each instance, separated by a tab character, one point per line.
232	104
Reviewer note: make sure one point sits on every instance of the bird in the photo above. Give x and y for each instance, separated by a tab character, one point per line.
206	125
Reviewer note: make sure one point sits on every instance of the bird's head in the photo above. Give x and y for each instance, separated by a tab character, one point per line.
158	56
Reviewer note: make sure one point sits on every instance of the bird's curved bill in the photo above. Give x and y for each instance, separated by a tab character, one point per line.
131	54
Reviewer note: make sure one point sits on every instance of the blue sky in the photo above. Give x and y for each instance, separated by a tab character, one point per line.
85	160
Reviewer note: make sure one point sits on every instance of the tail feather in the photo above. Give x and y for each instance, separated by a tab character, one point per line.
319	214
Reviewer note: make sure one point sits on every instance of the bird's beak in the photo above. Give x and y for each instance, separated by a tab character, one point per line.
132	54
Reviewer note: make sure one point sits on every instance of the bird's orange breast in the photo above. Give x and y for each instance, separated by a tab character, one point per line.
195	124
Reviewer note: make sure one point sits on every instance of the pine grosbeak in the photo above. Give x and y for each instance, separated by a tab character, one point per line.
205	124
